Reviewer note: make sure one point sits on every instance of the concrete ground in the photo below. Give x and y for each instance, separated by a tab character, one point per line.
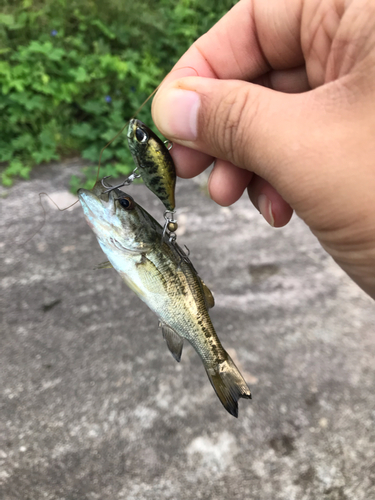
94	407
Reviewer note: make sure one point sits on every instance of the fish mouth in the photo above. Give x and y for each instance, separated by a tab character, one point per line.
96	202
86	194
100	213
98	190
88	200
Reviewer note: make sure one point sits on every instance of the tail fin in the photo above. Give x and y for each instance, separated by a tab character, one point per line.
229	384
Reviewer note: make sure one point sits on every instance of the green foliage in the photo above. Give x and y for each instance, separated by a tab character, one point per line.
72	72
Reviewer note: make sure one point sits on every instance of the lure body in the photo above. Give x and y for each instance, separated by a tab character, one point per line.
154	162
154	269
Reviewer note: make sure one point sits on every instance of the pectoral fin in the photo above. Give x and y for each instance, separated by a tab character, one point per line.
173	340
104	265
208	297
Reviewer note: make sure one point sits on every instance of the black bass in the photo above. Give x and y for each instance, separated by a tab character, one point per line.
158	273
154	162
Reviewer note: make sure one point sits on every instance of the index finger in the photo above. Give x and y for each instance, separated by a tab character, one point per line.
251	39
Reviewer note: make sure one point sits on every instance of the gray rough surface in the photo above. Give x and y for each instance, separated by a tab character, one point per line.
93	406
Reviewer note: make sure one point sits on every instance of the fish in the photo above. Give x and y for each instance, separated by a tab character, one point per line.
157	270
154	162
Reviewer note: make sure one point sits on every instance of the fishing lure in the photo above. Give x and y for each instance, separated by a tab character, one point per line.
155	165
154	162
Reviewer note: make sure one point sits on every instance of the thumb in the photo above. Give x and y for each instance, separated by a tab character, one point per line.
251	126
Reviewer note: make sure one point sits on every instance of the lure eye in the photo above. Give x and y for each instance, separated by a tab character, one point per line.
127	203
141	135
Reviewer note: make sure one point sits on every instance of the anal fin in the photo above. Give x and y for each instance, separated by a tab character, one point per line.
173	340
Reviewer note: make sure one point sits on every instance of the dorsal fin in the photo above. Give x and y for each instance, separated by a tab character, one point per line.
208	297
173	340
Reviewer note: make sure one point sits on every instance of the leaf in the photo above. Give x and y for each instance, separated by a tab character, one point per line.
84	130
91	153
44	155
5	69
122	169
94	107
18	85
6	153
123	153
79	74
47	137
16	167
6	179
6	19
24	141
103	28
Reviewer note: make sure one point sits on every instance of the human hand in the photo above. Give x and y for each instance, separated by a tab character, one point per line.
285	101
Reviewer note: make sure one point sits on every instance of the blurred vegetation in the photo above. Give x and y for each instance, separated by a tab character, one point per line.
72	72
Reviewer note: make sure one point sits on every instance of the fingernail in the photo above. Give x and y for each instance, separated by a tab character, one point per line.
265	208
176	114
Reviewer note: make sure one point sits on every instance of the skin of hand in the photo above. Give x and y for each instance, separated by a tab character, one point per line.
285	102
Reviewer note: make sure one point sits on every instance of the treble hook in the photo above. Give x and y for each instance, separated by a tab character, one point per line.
183	256
126	182
102	182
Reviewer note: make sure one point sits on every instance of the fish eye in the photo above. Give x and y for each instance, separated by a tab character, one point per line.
127	202
141	135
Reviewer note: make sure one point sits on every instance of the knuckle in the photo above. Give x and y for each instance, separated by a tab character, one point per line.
233	121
